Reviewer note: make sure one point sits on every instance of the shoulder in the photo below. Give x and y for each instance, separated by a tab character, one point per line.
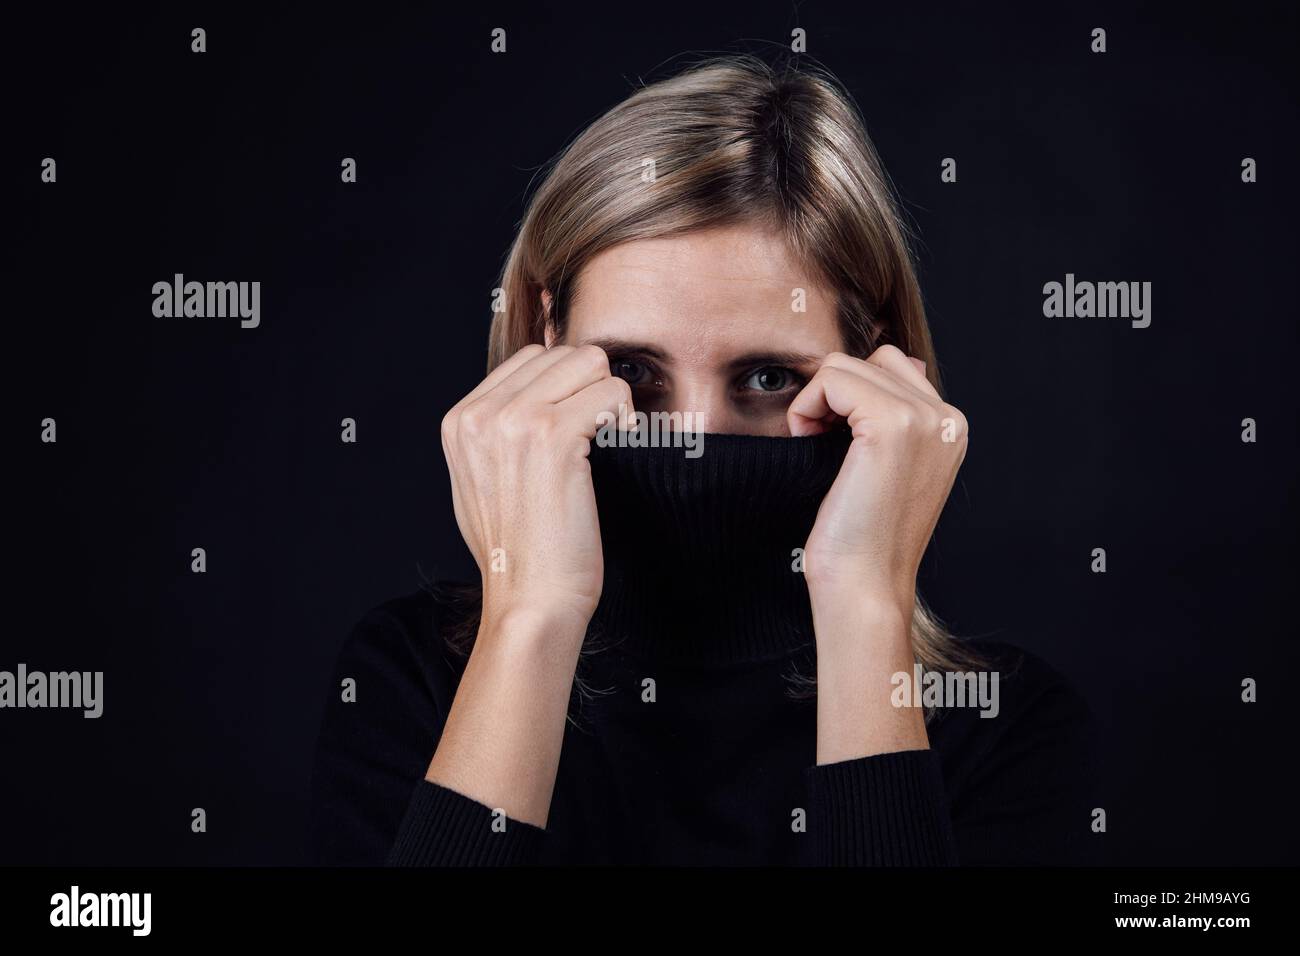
1021	768
405	651
1015	695
419	627
391	690
412	614
1030	686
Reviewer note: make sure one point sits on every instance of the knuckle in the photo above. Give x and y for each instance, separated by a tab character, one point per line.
953	425
622	391
472	421
827	371
907	420
958	419
542	426
514	421
449	425
595	356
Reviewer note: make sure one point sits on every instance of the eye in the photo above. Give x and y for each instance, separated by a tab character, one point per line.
771	378
631	371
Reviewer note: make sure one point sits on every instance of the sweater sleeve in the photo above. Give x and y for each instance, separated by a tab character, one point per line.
371	805
883	810
444	828
1016	789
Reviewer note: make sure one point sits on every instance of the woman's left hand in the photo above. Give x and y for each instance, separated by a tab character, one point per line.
875	522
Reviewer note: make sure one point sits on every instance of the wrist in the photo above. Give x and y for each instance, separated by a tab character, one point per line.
883	582
520	620
864	641
876	602
862	625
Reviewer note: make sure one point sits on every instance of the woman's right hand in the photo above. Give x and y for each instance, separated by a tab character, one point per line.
516	448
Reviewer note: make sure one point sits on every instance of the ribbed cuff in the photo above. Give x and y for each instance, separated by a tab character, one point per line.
445	828
884	810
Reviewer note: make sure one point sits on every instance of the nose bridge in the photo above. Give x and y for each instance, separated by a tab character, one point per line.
700	392
694	393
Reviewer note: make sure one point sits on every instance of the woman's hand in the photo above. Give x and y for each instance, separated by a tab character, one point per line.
517	447
862	556
874	524
517	450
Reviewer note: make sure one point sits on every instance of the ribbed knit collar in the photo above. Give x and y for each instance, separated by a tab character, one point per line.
700	552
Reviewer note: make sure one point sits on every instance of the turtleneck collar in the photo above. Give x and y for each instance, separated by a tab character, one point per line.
699	552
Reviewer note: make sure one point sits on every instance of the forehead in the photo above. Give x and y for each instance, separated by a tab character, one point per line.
704	292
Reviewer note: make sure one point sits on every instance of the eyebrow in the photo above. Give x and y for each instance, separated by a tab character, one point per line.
628	347
752	359
748	360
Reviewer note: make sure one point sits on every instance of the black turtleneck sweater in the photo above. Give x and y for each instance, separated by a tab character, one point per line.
687	742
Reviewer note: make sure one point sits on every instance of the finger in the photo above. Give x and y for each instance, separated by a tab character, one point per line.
504	371
570	374
883	377
908	369
526	374
591	406
837	393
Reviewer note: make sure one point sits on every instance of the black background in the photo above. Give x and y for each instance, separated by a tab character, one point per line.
183	433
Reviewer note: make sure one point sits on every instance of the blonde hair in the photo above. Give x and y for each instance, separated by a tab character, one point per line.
731	140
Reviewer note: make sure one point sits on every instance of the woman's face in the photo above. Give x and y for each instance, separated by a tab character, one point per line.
706	323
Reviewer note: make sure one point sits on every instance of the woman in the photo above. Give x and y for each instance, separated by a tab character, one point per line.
707	659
